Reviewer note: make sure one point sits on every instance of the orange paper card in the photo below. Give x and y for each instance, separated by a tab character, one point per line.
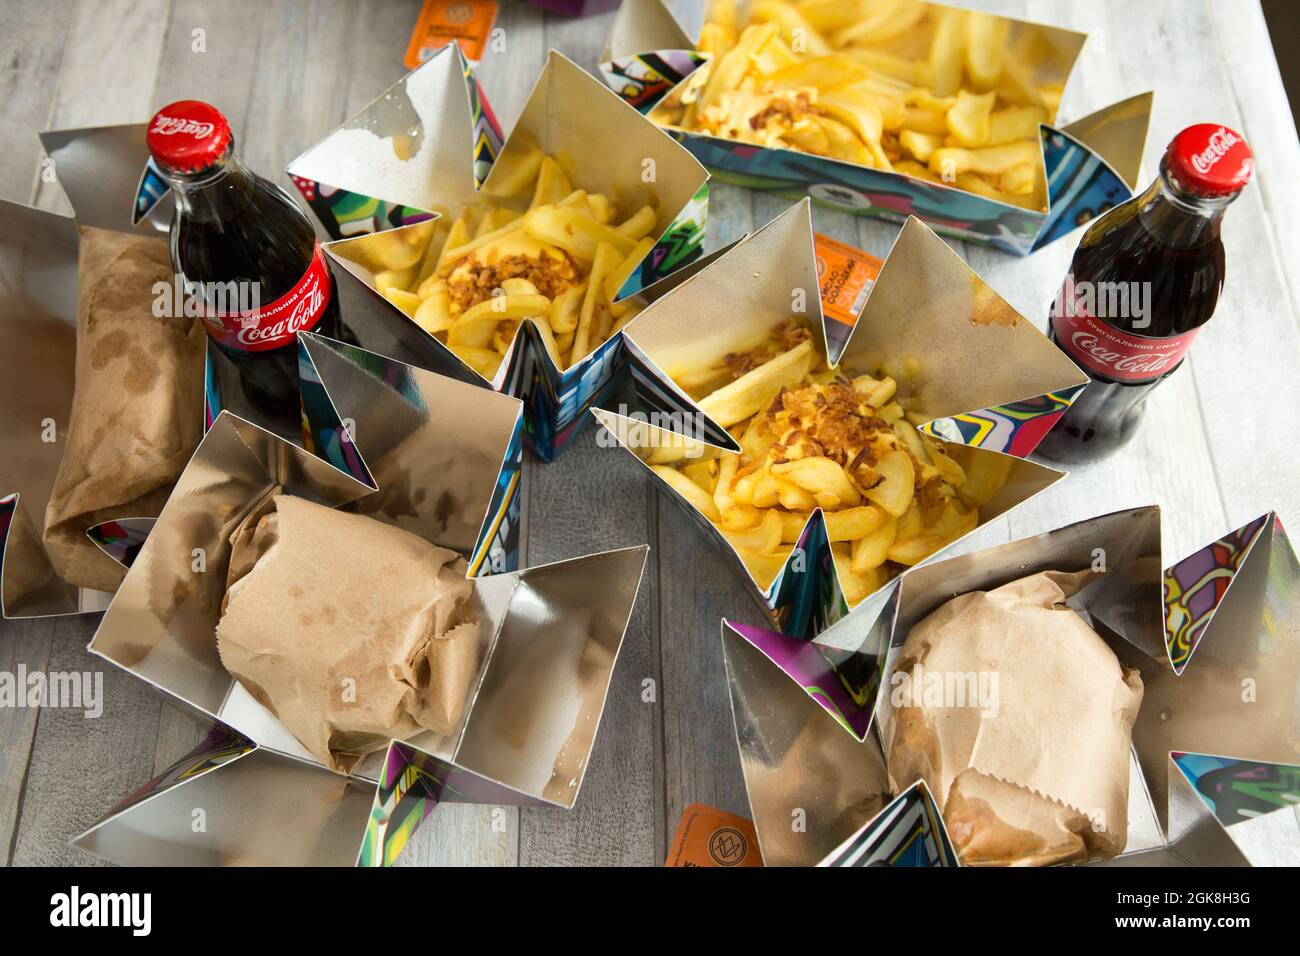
846	276
709	837
467	22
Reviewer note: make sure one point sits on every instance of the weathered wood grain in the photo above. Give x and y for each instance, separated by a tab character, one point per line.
25	644
29	74
1214	451
108	73
80	767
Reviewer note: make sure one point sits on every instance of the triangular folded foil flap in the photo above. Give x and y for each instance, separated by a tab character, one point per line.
38	261
1126	600
1236	696
1239	791
153	197
794	588
121	539
1081	186
403	421
567	112
100	171
1196	836
376	321
38	328
843	679
762	281
910	832
660	399
219	746
1117	134
1197	584
259	808
533	721
653	443
427	116
928	310
799	765
410	788
29	586
525	740
648	53
643	26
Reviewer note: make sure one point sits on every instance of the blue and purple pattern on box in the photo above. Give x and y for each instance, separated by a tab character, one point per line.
909	832
1239	790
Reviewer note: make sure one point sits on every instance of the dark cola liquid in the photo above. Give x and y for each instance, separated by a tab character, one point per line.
1170	244
232	226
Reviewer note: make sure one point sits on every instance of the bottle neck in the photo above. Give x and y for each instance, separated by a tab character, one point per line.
1177	218
214	193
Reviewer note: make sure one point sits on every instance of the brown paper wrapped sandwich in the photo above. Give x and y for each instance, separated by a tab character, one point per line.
349	631
1035	770
137	411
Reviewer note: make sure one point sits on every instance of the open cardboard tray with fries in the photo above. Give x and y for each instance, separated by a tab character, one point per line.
828	459
517	262
268	796
1214	638
890	109
105	173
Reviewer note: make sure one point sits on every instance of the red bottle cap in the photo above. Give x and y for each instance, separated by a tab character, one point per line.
1210	160
188	135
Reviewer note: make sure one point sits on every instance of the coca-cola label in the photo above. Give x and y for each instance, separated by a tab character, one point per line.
1220	141
275	325
1110	353
173	125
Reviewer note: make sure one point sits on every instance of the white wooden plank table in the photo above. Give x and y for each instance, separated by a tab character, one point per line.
1215	451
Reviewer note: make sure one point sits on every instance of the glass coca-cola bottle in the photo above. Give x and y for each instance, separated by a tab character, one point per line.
1145	278
250	252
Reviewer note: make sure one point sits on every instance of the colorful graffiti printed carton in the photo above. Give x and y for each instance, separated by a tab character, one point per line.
1214	637
1089	165
985	383
453	156
394	448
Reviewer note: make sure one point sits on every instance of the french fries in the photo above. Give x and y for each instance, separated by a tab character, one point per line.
558	263
938	94
812	439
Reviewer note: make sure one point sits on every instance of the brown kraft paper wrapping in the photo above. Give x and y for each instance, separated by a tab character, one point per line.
137	409
1036	771
349	631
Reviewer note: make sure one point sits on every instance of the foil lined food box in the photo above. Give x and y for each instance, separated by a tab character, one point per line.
926	310
103	173
1208	759
38	266
520	741
1089	165
111	185
456	155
